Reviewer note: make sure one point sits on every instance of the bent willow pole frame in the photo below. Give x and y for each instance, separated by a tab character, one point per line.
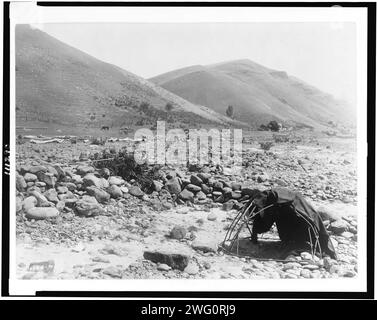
244	218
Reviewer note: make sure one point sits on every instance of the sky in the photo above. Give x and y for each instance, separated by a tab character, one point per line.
321	54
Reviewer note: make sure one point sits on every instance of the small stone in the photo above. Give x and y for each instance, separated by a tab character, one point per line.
113	272
20	183
347	235
178	233
203	176
201	195
305	273
192	269
206	189
173	186
83	170
113	180
212	217
136	191
18	204
236	195
339	226
36	169
227	206
311	267
306	256
51	195
186	195
41	199
114	191
100	259
204	245
53	171
91	180
218	186
193	188
328	263
62	189
30	177
163	267
157	185
101	195
236	186
87	209
29	202
48	178
327	214
60	205
195	180
291	265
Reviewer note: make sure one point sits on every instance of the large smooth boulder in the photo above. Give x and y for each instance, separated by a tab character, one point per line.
30	177
101	195
29	202
186	195
40	213
51	195
175	260
113	180
18	204
20	183
339	226
195	180
135	191
36	169
91	180
193	188
327	214
48	178
42	200
178	233
83	170
88	208
114	191
205	245
173	186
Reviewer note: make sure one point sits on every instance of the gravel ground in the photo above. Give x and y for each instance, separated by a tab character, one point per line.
90	224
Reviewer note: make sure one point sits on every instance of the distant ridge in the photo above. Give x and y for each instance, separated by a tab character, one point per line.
257	93
59	84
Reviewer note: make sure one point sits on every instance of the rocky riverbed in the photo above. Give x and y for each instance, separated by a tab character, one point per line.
78	221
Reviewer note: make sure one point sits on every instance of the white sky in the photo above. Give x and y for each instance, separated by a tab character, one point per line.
322	54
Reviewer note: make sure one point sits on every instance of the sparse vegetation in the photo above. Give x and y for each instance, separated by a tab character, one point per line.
266	145
230	111
169	107
144	107
122	163
280	138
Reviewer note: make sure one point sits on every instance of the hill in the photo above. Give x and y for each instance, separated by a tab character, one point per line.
258	94
57	84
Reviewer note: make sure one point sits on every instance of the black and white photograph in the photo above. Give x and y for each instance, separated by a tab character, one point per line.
188	149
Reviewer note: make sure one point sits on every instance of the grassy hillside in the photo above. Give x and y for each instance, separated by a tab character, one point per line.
257	93
57	84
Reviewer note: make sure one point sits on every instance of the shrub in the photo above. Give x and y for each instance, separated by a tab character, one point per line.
279	138
266	145
144	107
122	163
230	112
169	107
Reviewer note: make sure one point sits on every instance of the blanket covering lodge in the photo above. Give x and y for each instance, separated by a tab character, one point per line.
296	219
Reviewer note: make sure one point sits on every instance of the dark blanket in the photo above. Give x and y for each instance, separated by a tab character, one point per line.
296	219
